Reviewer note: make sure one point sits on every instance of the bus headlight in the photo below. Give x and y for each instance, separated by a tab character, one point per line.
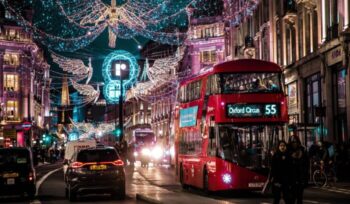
227	178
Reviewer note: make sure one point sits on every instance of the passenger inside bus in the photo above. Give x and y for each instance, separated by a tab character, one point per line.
258	85
252	82
272	86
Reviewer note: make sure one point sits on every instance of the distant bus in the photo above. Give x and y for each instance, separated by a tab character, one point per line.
226	123
142	138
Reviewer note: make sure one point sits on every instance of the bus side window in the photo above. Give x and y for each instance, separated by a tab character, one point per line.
212	142
208	86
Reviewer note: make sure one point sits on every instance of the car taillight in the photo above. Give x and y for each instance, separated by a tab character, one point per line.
75	165
31	176
118	163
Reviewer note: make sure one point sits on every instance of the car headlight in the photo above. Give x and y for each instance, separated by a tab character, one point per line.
136	154
146	151
157	152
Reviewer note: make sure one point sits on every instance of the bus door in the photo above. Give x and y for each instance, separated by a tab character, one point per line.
248	146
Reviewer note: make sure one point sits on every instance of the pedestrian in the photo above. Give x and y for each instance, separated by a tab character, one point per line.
280	169
299	169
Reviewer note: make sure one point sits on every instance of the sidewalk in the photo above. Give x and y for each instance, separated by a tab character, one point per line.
339	187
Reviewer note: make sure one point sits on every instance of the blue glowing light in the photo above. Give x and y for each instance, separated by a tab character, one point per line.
227	178
111	90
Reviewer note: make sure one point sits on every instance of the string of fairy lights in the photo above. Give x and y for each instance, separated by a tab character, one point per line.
238	11
68	25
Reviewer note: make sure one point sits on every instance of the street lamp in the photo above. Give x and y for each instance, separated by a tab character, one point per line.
121	72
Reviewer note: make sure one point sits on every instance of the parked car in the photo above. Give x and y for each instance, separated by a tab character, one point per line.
17	173
95	170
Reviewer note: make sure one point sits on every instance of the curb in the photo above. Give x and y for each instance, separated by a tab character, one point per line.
147	199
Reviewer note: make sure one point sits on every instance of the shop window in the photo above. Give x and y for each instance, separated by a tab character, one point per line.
11	82
12	111
313	97
11	59
340	118
208	56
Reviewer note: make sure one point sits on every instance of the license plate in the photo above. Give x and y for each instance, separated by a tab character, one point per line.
256	185
98	167
10	175
10	181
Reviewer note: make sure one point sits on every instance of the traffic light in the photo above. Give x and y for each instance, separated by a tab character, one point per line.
117	132
46	139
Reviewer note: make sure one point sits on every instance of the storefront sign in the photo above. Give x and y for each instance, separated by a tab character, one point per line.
188	116
252	110
335	56
292	94
11	133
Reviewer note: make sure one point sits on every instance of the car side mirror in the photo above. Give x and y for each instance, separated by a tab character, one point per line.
211	133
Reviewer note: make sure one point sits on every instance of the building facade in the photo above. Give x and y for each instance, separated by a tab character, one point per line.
310	40
25	85
206	38
162	95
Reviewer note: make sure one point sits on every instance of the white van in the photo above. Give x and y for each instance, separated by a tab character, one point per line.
75	146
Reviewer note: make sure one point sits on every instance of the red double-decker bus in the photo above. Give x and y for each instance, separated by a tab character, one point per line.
227	121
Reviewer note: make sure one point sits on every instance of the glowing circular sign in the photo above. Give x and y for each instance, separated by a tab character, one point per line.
112	68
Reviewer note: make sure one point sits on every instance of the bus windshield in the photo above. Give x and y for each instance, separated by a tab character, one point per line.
249	82
248	146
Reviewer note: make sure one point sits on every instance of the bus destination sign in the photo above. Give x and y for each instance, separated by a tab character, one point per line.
252	110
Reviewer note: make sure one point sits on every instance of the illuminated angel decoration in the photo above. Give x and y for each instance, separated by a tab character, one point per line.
127	19
74	66
69	25
161	72
87	90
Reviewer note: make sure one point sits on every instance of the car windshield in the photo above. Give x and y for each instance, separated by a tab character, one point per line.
14	157
97	155
248	146
249	82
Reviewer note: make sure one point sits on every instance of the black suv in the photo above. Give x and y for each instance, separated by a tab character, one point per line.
95	170
17	173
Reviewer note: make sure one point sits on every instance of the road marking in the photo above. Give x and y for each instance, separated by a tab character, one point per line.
35	202
335	190
42	179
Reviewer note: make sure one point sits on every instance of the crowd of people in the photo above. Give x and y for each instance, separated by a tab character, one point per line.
50	155
289	172
292	167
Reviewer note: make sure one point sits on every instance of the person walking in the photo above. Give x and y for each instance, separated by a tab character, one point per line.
299	168
280	169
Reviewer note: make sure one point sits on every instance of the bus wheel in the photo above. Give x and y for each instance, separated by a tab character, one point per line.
205	182
183	185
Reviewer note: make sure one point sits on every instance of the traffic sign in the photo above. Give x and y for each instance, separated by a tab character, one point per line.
26	126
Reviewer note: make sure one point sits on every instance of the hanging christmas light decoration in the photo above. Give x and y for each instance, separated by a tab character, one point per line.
75	67
68	25
236	12
87	90
160	74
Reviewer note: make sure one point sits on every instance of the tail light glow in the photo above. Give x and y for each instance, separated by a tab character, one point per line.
75	165
31	176
118	163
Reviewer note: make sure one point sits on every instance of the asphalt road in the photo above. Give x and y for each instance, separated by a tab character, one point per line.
159	184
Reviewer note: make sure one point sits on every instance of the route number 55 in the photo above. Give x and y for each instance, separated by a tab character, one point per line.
270	109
